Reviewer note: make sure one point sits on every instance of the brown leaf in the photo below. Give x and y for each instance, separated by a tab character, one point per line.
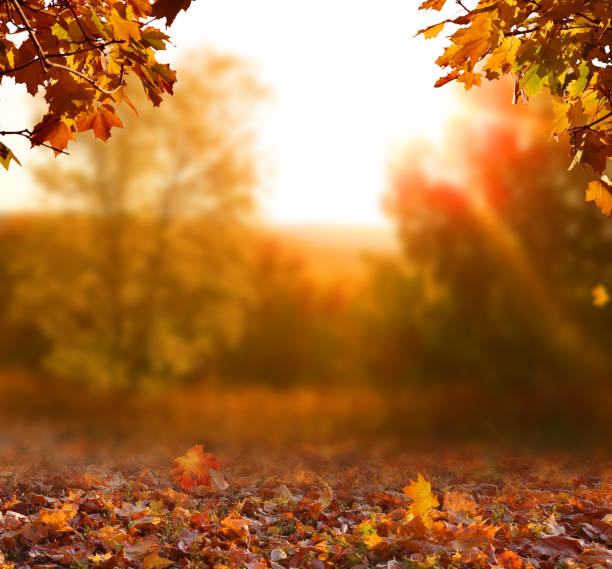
556	547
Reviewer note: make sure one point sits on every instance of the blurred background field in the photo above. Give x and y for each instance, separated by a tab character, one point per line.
146	302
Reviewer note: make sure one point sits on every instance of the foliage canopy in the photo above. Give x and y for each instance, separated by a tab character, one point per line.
79	53
563	46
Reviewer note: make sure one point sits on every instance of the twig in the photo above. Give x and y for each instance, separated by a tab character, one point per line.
27	133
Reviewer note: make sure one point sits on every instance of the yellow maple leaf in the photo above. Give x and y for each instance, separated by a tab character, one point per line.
58	519
100	557
600	192
432	5
6	155
423	500
154	561
432	31
368	534
372	541
601	297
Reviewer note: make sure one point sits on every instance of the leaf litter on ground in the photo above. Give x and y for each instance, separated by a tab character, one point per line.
413	512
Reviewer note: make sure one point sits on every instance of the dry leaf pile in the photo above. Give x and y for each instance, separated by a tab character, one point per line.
193	515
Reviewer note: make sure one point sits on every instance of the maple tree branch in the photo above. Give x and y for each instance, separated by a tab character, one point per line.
46	64
59	55
587	126
27	133
89	79
33	38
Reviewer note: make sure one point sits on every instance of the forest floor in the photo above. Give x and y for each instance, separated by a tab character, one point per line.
308	480
311	507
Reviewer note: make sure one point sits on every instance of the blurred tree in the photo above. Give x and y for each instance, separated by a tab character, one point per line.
500	259
293	323
134	277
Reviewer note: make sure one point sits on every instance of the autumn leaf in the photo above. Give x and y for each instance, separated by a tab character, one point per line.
368	534
124	28
235	526
191	470
100	557
556	547
6	155
474	535
460	503
100	120
600	192
55	132
550	49
601	296
431	31
154	561
58	519
423	499
432	5
509	560
169	9
56	59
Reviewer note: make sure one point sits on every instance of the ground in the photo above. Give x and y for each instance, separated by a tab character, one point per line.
316	507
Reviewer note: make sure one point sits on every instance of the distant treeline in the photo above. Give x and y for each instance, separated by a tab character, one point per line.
486	312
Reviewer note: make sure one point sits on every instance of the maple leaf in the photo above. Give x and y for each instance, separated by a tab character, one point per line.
100	558
55	131
600	192
58	519
601	296
556	547
100	120
423	500
235	526
154	561
460	503
474	535
191	469
432	5
432	31
509	560
77	81
6	155
169	9
509	37
124	28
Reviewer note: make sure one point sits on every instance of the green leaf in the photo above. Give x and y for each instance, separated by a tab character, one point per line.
577	86
531	81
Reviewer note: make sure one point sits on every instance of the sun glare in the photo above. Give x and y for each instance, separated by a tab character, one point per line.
349	83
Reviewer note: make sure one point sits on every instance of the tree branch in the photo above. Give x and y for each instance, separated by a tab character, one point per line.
27	133
33	38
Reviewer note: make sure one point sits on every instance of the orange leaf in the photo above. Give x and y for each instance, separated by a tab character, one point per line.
191	470
601	297
100	120
154	561
600	192
474	535
57	520
54	131
432	5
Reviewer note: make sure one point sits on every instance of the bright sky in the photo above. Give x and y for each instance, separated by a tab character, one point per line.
349	81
